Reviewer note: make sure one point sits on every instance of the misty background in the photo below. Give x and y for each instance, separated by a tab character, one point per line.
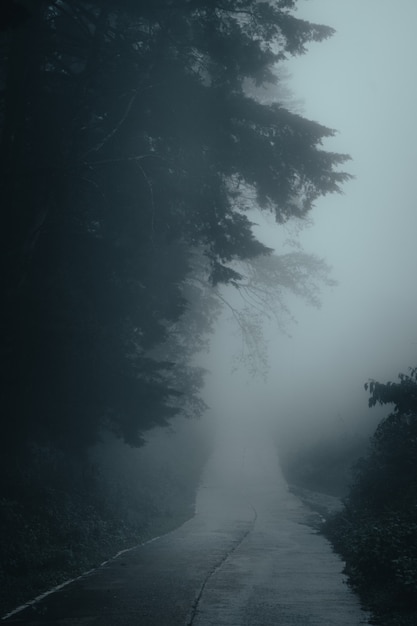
361	82
130	355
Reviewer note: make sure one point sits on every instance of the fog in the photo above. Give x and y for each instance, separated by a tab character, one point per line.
361	83
132	155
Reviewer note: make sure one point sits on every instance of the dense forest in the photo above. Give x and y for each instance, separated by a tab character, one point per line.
131	139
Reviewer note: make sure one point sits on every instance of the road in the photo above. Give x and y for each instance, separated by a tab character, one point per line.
249	557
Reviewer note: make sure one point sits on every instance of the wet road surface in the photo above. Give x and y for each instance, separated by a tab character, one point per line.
249	557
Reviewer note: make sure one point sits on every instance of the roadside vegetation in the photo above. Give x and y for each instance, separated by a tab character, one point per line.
63	518
375	532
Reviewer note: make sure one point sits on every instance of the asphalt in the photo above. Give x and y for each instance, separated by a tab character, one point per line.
249	557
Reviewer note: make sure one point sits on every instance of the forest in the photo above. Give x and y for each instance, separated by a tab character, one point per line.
131	138
134	145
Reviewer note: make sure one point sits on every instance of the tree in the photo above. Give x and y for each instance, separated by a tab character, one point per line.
130	143
261	289
376	533
402	395
391	465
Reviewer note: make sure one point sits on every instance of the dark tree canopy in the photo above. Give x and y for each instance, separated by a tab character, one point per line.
128	141
402	395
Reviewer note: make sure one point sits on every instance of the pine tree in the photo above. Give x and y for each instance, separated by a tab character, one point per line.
130	139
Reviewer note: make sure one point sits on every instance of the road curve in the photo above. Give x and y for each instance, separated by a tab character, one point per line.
248	558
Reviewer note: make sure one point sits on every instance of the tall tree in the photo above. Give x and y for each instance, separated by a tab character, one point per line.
128	139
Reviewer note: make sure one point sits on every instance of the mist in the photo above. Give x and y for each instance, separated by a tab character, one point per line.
209	235
363	86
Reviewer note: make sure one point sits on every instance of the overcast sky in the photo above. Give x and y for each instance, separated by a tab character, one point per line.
361	82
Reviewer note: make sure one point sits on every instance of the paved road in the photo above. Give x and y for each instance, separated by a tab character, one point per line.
248	558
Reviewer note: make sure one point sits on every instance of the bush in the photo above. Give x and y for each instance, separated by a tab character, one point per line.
376	533
62	515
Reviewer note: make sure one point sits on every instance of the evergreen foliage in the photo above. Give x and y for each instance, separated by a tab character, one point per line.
128	143
127	138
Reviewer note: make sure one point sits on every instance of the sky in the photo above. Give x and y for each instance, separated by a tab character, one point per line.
361	82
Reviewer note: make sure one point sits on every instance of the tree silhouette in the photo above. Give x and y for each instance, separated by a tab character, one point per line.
129	140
